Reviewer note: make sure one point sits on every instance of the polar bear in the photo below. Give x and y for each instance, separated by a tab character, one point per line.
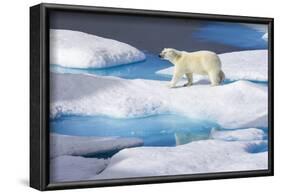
189	63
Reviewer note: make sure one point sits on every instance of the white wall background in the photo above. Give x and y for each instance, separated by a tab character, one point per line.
14	103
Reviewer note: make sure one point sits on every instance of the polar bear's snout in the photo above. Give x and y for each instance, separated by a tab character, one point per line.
169	54
162	54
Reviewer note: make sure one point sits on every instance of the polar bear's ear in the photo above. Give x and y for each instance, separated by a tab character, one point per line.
175	53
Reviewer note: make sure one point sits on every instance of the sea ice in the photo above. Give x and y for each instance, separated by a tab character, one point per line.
218	154
265	37
240	134
205	156
76	49
75	168
240	104
78	146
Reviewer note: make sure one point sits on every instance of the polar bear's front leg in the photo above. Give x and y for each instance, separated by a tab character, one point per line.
189	77
175	79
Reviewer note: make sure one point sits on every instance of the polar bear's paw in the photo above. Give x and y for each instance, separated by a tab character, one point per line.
170	85
187	84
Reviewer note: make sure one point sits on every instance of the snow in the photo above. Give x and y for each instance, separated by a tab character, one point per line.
76	49
245	65
78	146
241	104
240	134
204	156
75	168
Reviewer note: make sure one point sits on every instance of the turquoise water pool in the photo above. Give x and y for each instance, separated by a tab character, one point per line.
140	70
157	130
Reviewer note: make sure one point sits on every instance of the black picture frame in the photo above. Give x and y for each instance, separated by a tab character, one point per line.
39	98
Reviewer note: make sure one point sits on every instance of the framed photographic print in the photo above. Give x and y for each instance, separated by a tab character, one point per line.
125	96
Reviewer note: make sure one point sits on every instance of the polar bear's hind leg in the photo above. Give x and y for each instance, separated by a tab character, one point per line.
214	78
222	76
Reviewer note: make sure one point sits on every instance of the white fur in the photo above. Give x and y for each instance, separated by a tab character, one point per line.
187	63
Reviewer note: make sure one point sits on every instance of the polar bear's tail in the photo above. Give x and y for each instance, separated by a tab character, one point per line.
222	76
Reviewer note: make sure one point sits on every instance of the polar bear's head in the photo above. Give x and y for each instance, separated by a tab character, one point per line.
169	54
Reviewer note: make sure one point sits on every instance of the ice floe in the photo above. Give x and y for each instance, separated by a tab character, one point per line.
226	151
265	37
240	104
240	134
205	156
245	65
78	146
81	50
75	168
